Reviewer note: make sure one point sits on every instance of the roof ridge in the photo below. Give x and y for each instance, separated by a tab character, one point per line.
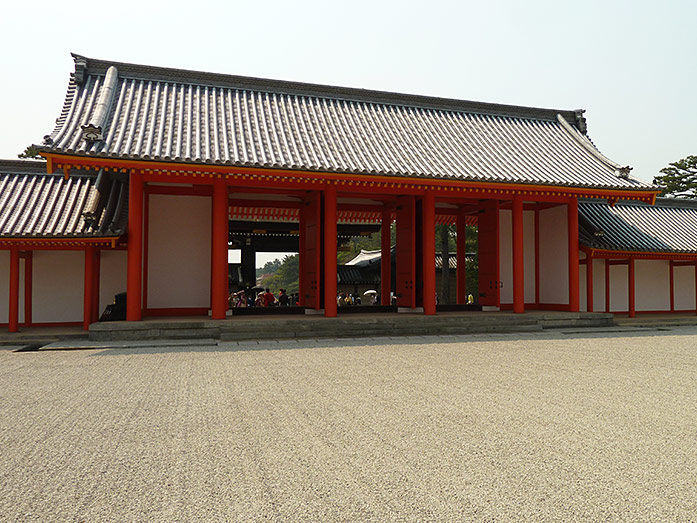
84	65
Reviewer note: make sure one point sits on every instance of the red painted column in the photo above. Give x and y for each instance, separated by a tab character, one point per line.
95	285
589	283
88	290
537	257
461	271
13	316
429	252
134	284
630	271
672	285
385	257
330	252
28	282
301	255
219	239
572	214
518	258
695	287
607	286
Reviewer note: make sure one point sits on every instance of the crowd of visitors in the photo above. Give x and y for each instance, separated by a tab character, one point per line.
255	297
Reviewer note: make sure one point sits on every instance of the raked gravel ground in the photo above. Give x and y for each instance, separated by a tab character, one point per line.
536	427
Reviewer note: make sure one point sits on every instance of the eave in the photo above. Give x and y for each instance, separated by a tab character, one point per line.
265	177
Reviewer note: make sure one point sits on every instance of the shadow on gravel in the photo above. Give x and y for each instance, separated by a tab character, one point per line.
336	343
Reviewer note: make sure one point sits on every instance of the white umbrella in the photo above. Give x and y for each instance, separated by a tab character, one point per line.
370	291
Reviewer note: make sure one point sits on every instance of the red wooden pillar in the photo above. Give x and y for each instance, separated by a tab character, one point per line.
301	255
537	257
607	286
631	304
518	258
219	238
13	313
330	252
672	285
429	252
589	283
28	282
696	287
385	257
95	285
88	287
572	214
134	284
461	271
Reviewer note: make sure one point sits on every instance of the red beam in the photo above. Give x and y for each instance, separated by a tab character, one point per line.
429	253
219	238
134	285
572	219
194	190
330	283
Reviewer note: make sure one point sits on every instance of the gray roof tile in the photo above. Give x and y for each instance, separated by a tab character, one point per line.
184	116
34	204
669	226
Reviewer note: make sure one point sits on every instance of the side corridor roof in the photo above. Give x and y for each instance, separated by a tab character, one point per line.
34	204
669	226
128	111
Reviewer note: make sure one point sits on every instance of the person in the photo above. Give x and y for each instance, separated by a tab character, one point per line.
259	301
269	298
283	298
470	299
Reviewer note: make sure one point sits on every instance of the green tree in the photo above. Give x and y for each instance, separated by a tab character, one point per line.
30	152
679	179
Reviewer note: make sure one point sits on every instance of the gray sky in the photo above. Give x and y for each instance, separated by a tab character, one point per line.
631	64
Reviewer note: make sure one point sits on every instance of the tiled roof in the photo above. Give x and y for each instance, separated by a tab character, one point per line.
128	111
669	226
34	204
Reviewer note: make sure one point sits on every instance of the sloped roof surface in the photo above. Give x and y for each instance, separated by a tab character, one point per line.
128	111
669	226
34	204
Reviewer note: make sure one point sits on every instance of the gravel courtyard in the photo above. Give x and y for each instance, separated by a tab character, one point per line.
538	427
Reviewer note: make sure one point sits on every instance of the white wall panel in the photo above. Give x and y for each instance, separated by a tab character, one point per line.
582	294
112	276
652	285
554	256
506	255
618	288
684	283
179	252
599	285
529	254
57	290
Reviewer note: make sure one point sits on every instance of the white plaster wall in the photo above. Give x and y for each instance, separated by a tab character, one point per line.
554	256
619	299
506	254
652	285
529	254
112	276
57	289
598	285
179	252
684	284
